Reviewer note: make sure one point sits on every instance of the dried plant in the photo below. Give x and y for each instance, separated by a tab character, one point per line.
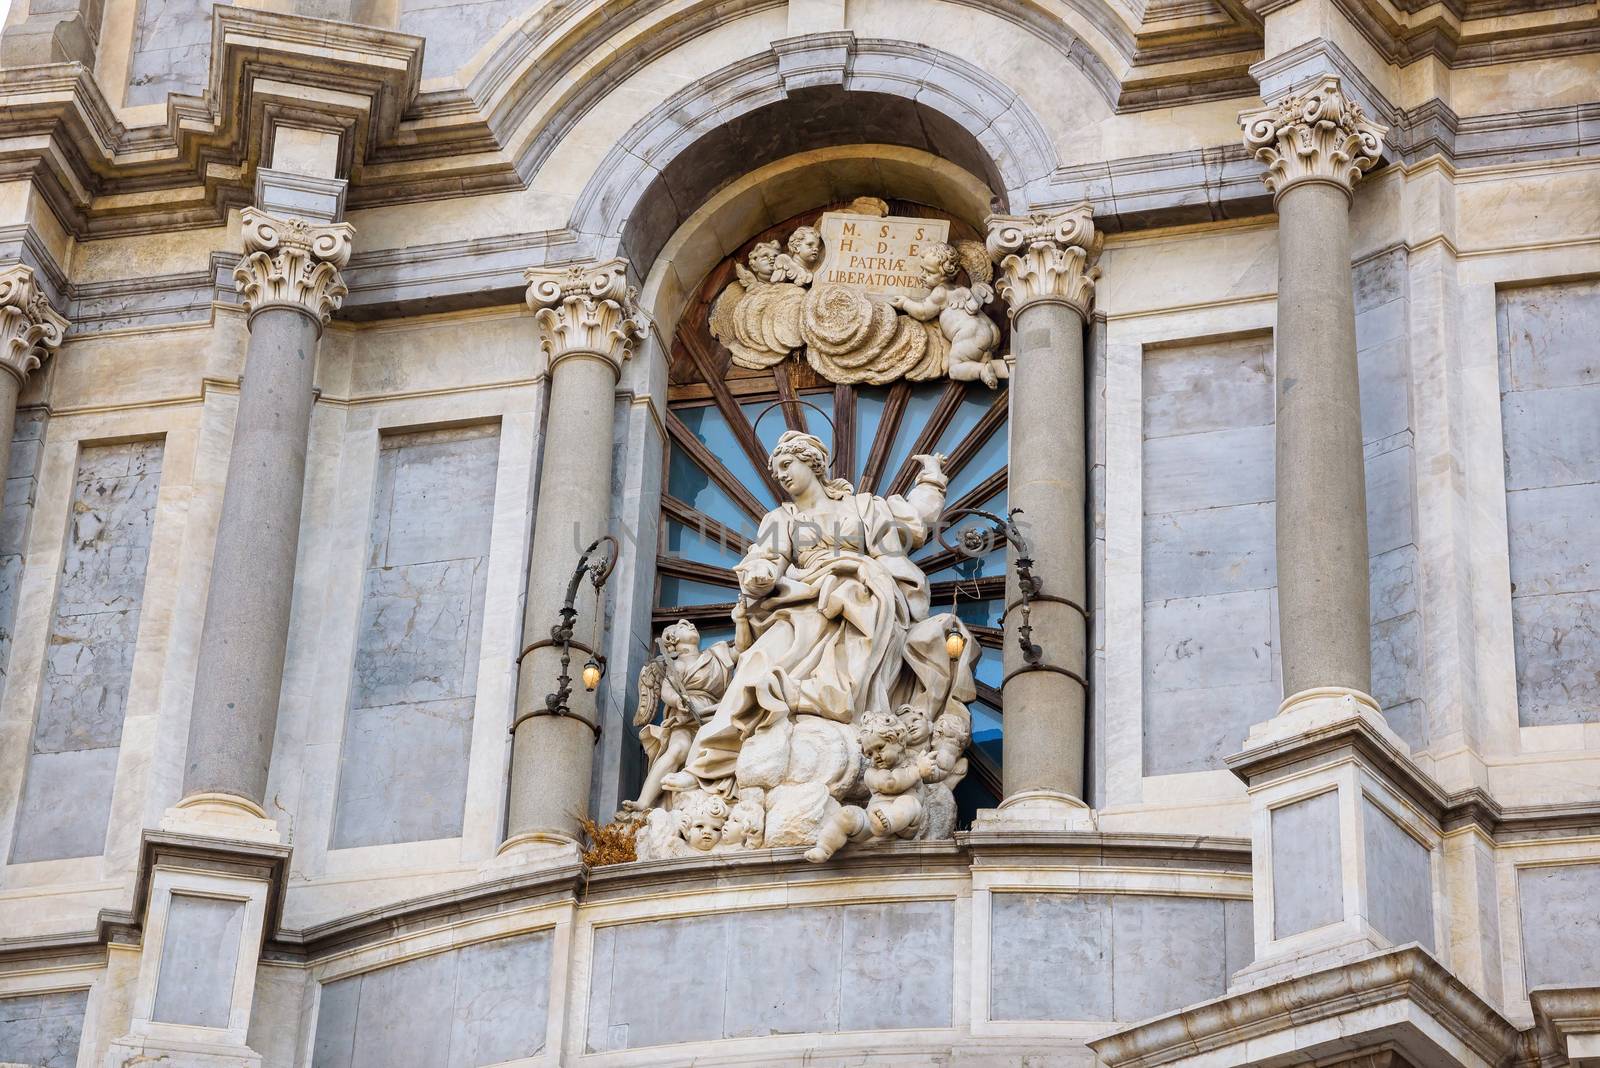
611	843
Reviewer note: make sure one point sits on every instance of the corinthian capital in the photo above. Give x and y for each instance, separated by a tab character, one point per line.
585	309
289	262
30	328
1316	136
1046	257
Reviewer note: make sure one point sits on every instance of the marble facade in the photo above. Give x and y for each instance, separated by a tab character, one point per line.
334	330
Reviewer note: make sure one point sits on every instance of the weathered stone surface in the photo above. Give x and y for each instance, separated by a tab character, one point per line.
464	1008
89	660
198	957
408	734
42	1030
171	49
775	971
1550	386
1065	956
1560	925
455	31
1399	882
1307	880
1209	572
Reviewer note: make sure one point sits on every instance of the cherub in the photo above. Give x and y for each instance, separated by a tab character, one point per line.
704	816
919	729
746	822
950	737
972	334
895	778
803	257
688	683
764	266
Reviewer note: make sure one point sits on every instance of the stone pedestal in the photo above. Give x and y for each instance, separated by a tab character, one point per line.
1047	275
205	913
1346	838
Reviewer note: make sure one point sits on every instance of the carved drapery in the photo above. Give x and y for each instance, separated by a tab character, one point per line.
29	326
1046	257
585	309
290	262
1317	136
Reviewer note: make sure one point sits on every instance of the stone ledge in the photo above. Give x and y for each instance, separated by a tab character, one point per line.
1401	1000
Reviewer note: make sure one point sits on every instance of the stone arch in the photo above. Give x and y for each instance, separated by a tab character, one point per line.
817	92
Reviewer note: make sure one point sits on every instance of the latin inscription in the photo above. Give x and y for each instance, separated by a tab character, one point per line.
877	254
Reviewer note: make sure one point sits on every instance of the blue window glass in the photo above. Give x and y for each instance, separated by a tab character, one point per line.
701	547
694	487
681	592
706	422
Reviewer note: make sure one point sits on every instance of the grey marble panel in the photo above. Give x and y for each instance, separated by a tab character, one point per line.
1198	729
465	1008
1547	335
455	32
1239	919
1410	721
403	773
1557	639
502	1001
898	965
1385	390
438	477
1307	875
1380	280
408	733
48	829
1212	550
1207	642
1397	660
42	1030
1380	324
784	971
1389	500
1393	583
1050	957
171	49
658	956
778	971
1216	386
1552	437
89	659
198	957
1192	471
1554	537
1168	952
1488	918
1399	879
1560	925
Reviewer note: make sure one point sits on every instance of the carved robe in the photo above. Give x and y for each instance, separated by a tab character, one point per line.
843	630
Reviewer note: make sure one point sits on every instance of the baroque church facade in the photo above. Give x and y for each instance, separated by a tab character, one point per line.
799	532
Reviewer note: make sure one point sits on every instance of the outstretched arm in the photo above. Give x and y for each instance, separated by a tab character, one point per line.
920	310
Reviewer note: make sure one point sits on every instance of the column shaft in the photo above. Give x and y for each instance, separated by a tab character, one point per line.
552	756
246	628
1044	708
1321	477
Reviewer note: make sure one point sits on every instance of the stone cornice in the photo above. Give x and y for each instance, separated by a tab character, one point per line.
266	68
289	262
30	329
1316	136
1406	980
1046	257
585	309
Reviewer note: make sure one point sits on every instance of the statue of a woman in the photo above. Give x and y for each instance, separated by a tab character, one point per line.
832	617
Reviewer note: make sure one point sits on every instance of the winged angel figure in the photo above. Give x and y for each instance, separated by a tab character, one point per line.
849	335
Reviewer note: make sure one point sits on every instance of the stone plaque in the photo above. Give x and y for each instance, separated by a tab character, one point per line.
877	254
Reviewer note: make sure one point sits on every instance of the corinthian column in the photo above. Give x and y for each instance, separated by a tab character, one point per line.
587	330
1047	277
30	330
289	278
1316	146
